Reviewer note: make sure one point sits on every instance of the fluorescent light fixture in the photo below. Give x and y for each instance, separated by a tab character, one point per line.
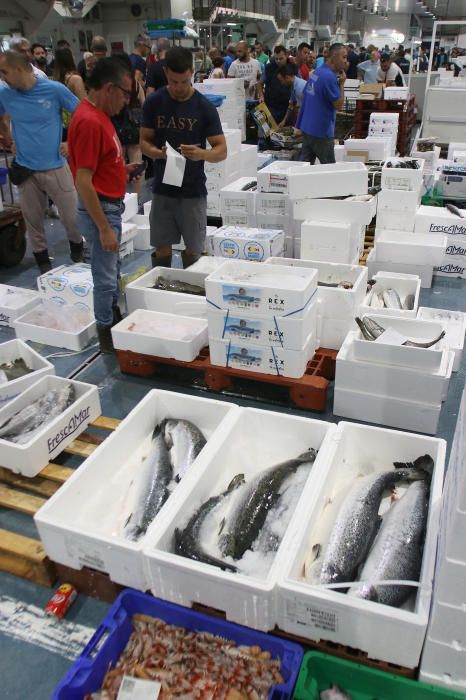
231	24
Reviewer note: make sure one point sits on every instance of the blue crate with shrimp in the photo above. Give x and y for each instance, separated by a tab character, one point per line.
110	640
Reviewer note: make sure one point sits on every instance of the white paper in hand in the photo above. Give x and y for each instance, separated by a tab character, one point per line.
174	167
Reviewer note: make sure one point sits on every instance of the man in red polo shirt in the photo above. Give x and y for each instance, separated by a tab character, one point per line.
98	166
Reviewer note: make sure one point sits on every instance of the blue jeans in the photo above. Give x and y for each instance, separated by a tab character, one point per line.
105	266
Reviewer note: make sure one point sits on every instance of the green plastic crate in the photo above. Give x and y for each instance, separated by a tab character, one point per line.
320	671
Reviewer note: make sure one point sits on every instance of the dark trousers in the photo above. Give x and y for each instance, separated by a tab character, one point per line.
317	147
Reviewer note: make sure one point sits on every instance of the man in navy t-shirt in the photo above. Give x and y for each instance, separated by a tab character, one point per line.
138	57
180	116
324	94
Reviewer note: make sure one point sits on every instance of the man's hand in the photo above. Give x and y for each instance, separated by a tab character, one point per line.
192	152
109	240
281	125
131	167
342	78
64	149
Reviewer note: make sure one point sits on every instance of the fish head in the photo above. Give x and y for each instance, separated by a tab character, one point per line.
308	456
237	481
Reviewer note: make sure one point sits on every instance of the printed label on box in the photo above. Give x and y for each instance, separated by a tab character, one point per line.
58	284
454	229
307	615
279	182
253	251
455	250
72	426
82	289
241	297
451	269
242	328
229	248
243	357
85	555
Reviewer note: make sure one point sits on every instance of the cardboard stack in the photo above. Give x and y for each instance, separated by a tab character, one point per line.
233	110
262	319
442	222
443	660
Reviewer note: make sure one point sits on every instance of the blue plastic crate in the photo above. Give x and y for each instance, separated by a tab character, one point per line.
217	100
87	672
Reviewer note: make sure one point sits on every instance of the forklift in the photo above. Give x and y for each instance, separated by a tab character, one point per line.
12	226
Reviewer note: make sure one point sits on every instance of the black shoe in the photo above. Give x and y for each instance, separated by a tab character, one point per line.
187	259
77	251
43	261
116	315
161	260
105	339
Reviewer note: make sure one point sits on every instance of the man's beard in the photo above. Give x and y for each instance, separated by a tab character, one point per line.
41	63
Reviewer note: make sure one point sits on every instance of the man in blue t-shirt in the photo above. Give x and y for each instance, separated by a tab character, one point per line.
141	51
324	94
34	105
180	116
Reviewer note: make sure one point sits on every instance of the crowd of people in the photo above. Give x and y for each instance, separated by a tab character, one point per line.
80	131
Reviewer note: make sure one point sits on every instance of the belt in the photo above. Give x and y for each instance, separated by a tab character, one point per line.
111	200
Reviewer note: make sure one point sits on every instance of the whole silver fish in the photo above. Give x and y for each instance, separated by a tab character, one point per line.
260	496
21	426
156	474
184	441
408	303
357	523
371	330
377	300
391	299
397	550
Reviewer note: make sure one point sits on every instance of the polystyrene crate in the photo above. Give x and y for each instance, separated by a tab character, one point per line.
343	210
256	440
375	264
407	247
131	206
402	178
393	220
29	298
304	181
81	524
88	671
444	665
404	285
13	350
234	199
32	456
27	330
161	344
387	633
141	295
455	328
440	220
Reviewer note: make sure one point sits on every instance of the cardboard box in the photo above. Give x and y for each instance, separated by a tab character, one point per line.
68	283
371	89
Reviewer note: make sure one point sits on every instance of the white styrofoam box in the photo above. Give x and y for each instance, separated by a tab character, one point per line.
459	157
141	295
29	458
248	154
239	219
81	525
430	157
454	323
246	243
206	264
234	199
27	330
161	343
394	220
273	204
439	220
131	206
396	382
402	178
384	118
278	222
344	210
256	290
126	248
25	299
257	440
448	623
374	265
335	302
398	200
384	410
376	148
451	267
142	219
288	250
403	285
224	168
384	352
142	239
317	613
262	159
443	665
395	93
147	207
450	583
12	350
213	203
417	248
452	182
233	140
304	181
129	231
328	241
265	359
70	283
283	332
223	86
455	146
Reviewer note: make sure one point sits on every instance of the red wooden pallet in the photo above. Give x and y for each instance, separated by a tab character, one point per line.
309	392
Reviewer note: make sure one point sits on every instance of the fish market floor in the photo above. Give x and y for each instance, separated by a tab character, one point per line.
35	653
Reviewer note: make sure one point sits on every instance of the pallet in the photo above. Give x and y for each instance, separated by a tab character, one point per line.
25	556
309	392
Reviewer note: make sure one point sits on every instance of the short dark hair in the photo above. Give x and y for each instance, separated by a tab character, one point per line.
286	70
107	70
304	45
386	58
35	46
16	58
179	59
335	48
124	60
218	61
62	44
258	43
279	48
141	40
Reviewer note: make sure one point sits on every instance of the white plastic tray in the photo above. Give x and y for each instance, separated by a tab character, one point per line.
12	350
140	295
28	459
256	440
391	634
9	313
161	345
80	525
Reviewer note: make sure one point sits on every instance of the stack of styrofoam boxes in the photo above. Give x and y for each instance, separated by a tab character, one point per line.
385	125
390	383
232	113
273	211
430	157
338	305
371	148
262	319
248	160
238	205
308	609
454	323
243	243
444	656
455	147
301	181
218	175
395	93
396	210
442	222
351	90
128	229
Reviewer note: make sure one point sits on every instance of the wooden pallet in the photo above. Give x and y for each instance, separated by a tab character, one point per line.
25	556
309	392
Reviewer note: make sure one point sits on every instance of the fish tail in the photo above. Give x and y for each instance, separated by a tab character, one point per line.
213	561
